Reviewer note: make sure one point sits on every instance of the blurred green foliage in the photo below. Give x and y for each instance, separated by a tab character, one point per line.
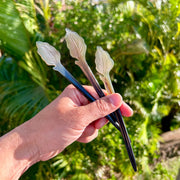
142	37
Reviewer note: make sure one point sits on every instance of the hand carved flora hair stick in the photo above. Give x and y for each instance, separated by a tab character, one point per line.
104	63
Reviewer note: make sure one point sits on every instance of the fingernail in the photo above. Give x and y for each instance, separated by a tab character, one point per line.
115	99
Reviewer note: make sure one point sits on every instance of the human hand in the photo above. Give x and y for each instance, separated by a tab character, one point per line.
71	117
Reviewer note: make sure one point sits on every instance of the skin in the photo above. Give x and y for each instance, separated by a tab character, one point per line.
70	117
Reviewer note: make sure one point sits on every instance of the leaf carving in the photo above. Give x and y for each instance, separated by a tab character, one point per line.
103	61
104	64
48	53
76	45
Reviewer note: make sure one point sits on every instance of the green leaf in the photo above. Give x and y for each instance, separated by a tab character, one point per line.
14	37
27	12
21	100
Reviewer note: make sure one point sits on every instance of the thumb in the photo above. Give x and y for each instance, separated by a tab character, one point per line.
100	108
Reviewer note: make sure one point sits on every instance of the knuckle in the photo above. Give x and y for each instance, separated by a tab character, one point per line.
102	107
70	87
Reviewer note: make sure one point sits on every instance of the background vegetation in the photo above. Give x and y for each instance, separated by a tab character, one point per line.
142	37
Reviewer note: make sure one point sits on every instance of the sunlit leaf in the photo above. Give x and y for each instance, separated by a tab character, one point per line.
28	14
14	37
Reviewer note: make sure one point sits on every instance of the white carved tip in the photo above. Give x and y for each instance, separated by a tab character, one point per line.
68	31
103	61
75	44
48	53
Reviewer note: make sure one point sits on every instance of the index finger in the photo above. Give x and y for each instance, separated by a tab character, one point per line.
126	110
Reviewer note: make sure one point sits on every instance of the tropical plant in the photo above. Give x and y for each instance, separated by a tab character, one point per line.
143	39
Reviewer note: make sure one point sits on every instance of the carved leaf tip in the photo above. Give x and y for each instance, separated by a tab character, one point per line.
48	53
76	45
103	61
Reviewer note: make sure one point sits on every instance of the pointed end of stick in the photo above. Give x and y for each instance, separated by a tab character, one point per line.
132	159
134	166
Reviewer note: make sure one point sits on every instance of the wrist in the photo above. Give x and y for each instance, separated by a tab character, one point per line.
27	148
17	152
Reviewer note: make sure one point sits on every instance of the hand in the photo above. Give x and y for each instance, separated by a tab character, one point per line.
71	117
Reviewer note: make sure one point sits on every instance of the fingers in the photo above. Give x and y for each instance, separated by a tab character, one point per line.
77	96
126	110
89	130
100	123
79	99
86	139
99	108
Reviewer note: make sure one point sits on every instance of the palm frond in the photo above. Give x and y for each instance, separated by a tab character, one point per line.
23	90
21	100
35	67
